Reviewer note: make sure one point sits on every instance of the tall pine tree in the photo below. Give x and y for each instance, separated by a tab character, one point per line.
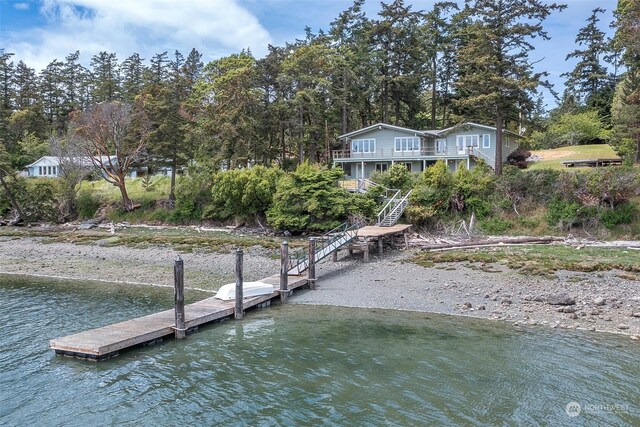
496	74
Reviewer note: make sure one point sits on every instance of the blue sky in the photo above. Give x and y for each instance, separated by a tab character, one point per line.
38	31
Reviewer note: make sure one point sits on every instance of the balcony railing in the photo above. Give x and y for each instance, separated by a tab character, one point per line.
382	153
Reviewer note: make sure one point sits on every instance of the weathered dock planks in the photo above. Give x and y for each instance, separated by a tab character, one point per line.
108	341
378	231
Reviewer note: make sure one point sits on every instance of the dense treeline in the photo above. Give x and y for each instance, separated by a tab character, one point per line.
420	69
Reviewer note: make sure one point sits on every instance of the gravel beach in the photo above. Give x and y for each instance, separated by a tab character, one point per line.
591	301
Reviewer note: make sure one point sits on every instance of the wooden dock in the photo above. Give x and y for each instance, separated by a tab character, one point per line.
108	341
375	234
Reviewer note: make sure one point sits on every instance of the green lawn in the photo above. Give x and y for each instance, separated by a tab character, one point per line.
157	189
552	159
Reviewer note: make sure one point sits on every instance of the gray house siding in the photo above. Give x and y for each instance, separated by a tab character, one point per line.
379	146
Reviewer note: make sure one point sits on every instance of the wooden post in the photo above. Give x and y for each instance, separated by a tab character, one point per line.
284	271
334	257
239	310
380	246
406	241
312	263
178	283
366	250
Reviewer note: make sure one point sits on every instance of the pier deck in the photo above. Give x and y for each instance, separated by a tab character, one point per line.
373	231
108	341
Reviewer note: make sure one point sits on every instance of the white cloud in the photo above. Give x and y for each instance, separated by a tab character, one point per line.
214	27
21	6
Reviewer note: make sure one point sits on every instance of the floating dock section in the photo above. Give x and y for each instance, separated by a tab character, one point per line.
108	341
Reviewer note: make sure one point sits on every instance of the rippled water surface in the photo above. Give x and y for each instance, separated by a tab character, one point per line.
302	365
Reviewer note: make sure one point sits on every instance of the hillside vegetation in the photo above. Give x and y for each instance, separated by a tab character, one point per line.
593	201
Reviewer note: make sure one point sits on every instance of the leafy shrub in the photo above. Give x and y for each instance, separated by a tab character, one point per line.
242	193
193	193
563	213
438	192
396	177
495	225
39	199
516	186
309	199
518	158
621	214
87	204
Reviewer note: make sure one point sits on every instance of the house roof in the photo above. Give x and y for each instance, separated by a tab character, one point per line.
435	132
55	161
379	126
452	128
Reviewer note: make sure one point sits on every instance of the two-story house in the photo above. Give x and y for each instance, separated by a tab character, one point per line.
377	147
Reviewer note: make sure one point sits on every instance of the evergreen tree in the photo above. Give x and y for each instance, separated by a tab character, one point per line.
105	73
589	76
496	74
399	57
74	81
133	71
626	104
225	106
158	71
439	33
52	95
25	84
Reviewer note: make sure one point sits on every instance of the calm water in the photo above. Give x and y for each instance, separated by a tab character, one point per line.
297	365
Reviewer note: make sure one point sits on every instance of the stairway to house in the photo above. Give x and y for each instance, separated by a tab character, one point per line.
333	240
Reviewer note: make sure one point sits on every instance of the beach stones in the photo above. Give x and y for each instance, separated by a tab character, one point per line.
560	299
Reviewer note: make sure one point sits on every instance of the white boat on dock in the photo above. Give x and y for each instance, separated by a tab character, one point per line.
249	289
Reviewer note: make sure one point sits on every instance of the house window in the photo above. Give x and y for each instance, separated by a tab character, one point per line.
464	141
363	145
382	167
40	170
55	171
486	141
441	146
407	144
48	170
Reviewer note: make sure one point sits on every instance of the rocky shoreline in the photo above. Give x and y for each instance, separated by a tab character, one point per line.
600	301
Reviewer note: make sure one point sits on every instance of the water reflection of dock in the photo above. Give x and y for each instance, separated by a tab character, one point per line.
108	341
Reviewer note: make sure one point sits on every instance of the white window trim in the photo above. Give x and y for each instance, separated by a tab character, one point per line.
444	146
460	144
487	140
404	148
370	143
381	164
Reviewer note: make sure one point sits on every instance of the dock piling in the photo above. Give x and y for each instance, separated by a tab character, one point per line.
284	271
178	282
312	263
238	312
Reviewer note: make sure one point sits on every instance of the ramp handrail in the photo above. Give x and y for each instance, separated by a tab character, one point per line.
364	184
339	236
389	206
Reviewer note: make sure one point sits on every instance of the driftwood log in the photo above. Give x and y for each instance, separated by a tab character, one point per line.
488	243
